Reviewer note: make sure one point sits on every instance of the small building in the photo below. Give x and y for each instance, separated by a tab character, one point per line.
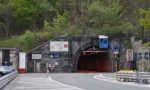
9	57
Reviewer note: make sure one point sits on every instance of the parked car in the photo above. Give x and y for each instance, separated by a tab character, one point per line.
5	70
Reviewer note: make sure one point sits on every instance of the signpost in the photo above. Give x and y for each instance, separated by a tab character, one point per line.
115	49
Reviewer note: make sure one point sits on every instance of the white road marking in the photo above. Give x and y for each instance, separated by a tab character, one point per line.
73	87
107	79
28	83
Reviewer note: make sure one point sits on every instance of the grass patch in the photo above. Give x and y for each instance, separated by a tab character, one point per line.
26	41
146	44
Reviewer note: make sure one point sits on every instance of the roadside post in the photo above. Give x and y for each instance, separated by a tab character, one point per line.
137	65
129	57
115	49
22	62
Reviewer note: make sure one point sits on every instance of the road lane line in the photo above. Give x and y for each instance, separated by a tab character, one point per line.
44	84
107	79
33	88
73	87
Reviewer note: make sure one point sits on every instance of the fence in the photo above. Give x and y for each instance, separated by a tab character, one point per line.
131	76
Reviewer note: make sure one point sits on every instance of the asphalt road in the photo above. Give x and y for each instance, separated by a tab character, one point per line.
103	81
72	81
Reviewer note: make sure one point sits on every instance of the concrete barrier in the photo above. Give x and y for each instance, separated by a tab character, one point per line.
4	80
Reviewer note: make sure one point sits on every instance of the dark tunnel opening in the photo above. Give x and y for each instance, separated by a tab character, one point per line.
94	62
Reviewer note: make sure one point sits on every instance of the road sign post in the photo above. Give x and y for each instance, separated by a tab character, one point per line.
116	63
115	49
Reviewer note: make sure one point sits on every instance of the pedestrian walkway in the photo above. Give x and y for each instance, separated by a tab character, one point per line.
37	82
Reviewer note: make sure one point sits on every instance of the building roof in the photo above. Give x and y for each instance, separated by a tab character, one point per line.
10	49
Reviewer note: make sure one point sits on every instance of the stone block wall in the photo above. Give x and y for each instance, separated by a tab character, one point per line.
68	60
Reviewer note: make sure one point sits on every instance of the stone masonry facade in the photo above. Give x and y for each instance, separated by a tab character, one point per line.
67	62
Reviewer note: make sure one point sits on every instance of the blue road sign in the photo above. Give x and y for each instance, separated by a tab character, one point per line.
55	55
103	41
115	48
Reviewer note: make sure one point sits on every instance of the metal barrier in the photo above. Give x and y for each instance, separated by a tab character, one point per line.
144	77
131	76
4	80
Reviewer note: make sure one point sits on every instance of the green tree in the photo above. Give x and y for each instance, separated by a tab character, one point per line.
29	13
5	19
106	17
61	22
145	20
101	14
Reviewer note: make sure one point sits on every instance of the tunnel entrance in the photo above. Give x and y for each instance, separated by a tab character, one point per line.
93	60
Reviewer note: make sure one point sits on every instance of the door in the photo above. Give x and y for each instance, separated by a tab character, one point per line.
6	57
38	67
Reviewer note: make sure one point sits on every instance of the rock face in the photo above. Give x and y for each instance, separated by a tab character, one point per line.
65	61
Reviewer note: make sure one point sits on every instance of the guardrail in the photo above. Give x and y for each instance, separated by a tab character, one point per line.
4	80
132	76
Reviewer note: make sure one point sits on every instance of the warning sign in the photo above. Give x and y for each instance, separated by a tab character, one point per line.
129	54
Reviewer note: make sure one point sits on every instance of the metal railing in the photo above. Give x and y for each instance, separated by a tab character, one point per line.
4	80
132	76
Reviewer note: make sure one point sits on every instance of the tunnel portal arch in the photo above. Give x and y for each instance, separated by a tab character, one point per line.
77	55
